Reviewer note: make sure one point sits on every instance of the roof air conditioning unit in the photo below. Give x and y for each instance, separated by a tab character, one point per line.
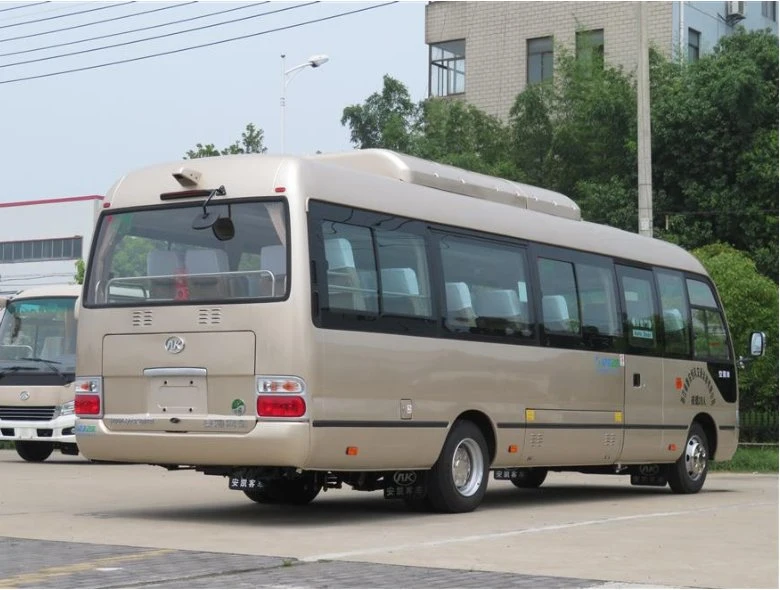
735	11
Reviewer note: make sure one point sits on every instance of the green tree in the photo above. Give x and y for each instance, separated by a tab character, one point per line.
251	142
578	127
79	276
457	133
751	302
715	147
386	120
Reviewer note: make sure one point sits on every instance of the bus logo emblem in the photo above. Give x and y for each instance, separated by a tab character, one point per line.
24	396
404	478
174	345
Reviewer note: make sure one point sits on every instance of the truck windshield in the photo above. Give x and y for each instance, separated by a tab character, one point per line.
156	256
39	335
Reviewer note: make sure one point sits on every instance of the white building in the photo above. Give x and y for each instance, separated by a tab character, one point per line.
40	241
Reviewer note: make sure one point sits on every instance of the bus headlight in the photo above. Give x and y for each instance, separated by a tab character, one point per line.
68	408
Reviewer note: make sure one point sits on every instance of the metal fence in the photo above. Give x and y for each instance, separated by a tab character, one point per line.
758	427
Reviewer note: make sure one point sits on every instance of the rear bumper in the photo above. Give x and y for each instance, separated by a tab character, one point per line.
282	444
59	430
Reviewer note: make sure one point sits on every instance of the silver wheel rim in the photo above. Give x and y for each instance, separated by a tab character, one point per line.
695	457
467	467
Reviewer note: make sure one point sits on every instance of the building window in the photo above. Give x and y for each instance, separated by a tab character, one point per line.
590	47
694	42
37	250
448	68
769	10
540	59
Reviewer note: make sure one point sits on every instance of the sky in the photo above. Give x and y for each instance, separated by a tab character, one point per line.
77	133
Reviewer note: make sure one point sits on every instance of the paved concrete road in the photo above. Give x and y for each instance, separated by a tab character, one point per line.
69	523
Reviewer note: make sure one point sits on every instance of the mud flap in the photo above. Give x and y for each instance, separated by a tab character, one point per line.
649	475
401	485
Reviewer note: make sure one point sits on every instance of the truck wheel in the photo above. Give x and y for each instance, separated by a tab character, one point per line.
33	451
687	475
532	477
458	480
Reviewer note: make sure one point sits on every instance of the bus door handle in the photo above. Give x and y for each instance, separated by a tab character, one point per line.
637	380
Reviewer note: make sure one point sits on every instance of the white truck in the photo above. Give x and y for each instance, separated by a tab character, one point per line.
37	369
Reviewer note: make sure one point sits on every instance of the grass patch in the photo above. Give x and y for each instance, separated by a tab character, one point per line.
750	460
6	444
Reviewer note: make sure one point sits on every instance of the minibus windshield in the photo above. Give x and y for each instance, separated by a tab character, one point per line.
39	335
158	256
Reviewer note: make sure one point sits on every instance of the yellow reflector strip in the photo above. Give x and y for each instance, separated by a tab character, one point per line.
530	415
619	417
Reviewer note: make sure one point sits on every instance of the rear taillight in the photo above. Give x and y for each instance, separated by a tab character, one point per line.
281	406
89	397
87	405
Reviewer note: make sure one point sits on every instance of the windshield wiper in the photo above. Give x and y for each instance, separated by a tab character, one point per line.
51	364
14	368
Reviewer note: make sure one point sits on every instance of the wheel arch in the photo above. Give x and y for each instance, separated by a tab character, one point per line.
708	424
486	427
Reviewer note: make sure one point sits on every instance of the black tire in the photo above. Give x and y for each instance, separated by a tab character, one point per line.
260	495
296	492
419	504
465	457
69	449
687	475
531	477
34	451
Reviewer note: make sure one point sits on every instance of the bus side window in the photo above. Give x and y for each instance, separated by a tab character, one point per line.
709	329
485	288
639	304
403	265
674	306
560	313
351	273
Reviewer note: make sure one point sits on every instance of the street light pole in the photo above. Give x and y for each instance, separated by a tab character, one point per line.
314	61
644	153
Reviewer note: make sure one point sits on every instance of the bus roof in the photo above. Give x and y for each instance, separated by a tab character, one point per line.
455	180
48	291
435	193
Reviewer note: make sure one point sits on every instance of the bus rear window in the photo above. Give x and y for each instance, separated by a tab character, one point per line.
156	256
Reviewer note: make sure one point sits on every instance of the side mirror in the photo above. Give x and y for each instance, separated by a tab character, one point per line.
3	302
757	344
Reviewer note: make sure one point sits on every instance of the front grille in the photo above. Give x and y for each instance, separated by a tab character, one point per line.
27	412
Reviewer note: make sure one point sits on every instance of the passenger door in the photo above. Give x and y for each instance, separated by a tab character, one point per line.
643	405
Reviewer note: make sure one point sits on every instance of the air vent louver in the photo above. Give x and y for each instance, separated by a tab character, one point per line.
209	316
142	318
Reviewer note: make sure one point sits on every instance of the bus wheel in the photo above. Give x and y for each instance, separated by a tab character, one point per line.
687	475
296	491
261	495
532	477
34	451
458	480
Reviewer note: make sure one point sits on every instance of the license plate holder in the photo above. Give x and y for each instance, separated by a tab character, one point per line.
648	480
26	433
